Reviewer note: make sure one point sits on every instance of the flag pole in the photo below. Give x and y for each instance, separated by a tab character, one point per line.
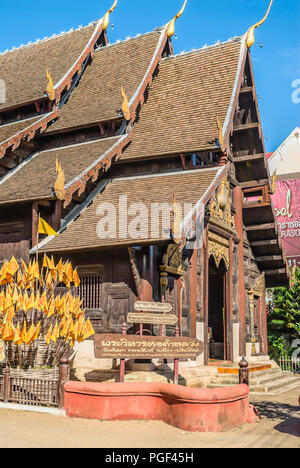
38	239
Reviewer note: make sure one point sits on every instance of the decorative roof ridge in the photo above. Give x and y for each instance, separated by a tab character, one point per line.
74	214
47	38
129	38
29	132
228	123
78	210
216	169
90	142
205	47
103	162
22	120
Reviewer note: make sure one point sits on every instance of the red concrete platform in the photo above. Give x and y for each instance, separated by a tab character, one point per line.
190	409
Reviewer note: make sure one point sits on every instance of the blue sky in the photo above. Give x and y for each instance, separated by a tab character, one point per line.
276	64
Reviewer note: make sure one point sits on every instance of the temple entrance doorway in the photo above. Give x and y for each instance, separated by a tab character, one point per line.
217	336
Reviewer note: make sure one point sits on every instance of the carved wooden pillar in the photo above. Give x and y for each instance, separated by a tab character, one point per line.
193	293
238	202
206	294
35	223
56	217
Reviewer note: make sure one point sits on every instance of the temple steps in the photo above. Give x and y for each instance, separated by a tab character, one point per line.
272	382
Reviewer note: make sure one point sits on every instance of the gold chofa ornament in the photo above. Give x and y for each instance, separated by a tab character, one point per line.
221	136
105	21
177	218
274	179
171	25
250	35
50	88
125	105
59	186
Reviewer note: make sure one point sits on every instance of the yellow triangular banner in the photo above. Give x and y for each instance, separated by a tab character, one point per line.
44	228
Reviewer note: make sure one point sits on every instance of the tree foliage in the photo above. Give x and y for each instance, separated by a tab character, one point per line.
284	315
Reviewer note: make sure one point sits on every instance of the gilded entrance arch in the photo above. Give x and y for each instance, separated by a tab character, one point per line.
218	248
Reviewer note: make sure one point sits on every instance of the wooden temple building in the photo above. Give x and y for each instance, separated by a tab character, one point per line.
131	121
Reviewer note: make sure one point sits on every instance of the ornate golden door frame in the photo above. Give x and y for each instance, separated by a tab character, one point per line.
218	248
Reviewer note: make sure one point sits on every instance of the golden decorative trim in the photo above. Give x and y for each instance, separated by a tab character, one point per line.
221	136
125	105
274	180
220	207
218	248
59	186
250	35
257	289
171	25
50	87
259	286
172	260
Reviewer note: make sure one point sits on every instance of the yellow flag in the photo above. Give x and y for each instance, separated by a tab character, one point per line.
76	278
37	332
17	337
44	228
48	336
30	334
89	330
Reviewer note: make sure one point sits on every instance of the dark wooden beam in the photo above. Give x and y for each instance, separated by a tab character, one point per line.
249	158
269	258
263	243
247	89
245	127
278	271
254	183
260	227
256	204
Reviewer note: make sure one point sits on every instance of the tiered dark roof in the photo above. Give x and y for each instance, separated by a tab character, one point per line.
189	92
178	105
24	69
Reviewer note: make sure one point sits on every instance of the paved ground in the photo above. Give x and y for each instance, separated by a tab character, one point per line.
279	428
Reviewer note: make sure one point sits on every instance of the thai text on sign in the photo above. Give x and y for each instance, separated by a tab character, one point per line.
146	347
153	307
152	319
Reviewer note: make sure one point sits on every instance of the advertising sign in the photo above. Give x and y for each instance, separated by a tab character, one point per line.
287	211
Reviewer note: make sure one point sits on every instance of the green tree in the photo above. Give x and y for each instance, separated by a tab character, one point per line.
284	316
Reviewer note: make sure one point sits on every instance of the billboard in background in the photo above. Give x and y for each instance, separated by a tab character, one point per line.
286	203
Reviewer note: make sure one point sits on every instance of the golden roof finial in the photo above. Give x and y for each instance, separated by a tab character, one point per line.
105	21
250	35
171	25
50	88
59	186
177	218
274	180
221	136
125	105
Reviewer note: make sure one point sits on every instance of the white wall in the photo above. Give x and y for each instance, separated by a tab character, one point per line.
286	159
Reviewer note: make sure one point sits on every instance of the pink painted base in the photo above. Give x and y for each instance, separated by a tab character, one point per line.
190	409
